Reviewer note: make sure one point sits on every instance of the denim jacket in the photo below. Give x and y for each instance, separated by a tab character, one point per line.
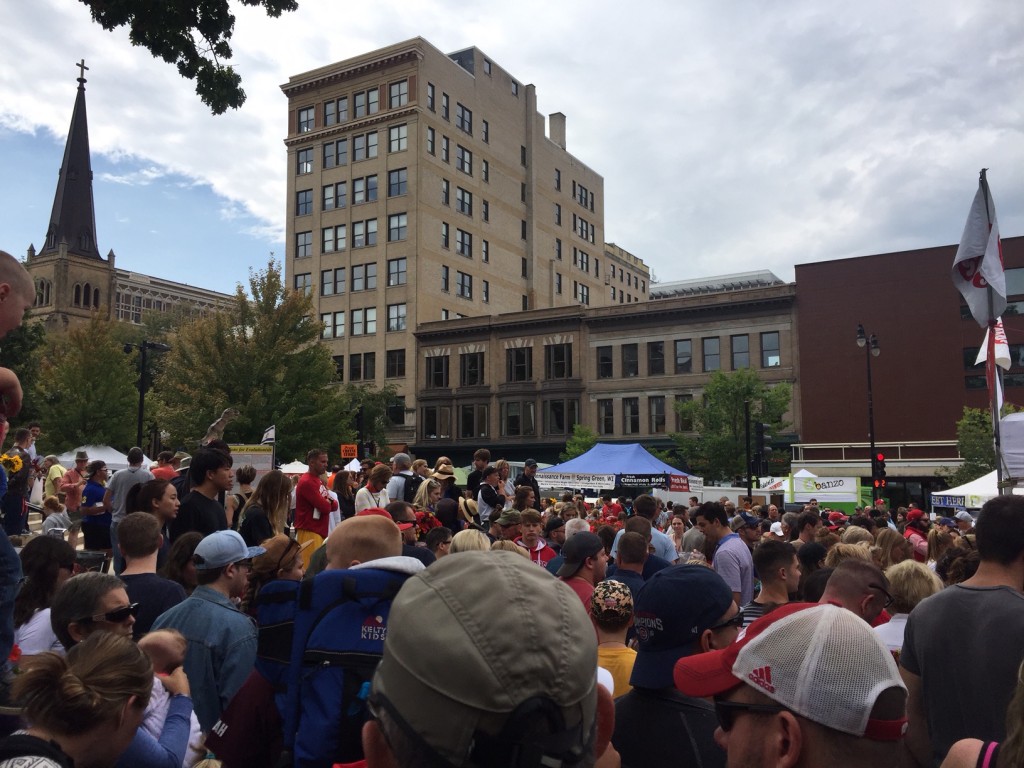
221	649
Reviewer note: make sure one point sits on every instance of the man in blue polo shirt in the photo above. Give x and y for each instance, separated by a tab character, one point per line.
732	560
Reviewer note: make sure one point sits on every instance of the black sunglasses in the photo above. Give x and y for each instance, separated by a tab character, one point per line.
728	711
889	599
735	621
117	616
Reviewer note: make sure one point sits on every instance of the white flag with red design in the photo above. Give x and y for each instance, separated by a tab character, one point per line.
978	265
1000	356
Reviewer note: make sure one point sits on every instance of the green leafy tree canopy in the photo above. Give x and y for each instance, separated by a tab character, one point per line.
974	443
22	349
86	388
193	34
262	359
716	450
582	440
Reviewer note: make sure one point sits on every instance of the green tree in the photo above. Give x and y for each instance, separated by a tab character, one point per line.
86	388
974	443
262	359
582	440
193	34
21	350
716	450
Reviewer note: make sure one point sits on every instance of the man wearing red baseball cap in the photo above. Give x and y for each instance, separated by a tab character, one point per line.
808	685
917	533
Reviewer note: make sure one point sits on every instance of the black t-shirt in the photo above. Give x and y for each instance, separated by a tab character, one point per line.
154	594
665	728
256	528
422	554
473	481
199	513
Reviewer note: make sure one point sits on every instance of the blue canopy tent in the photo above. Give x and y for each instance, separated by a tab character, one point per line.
617	466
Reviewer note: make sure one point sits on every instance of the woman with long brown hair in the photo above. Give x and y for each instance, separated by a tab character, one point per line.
265	514
345	486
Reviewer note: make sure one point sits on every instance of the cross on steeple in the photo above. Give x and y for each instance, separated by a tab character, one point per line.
81	70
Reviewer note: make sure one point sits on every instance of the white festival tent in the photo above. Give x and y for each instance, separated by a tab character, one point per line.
112	457
295	468
970	495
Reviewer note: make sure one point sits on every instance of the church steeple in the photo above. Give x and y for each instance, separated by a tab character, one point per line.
73	219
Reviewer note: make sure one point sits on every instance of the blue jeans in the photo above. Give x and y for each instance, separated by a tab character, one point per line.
118	557
10	582
12	506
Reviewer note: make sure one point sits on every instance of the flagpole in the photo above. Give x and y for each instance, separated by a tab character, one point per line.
994	389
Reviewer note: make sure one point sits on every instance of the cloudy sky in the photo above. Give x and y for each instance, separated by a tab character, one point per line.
732	136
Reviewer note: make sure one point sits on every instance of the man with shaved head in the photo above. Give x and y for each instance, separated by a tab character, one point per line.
362	539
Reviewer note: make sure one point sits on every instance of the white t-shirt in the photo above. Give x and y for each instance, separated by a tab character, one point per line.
366	500
36	635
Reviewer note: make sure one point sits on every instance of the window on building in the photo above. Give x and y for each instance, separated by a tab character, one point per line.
303	284
398	94
771	356
522	156
526	303
330	112
398	182
398	225
463	119
558	179
522	229
304	202
339	366
606	417
364	277
364	146
558	214
361	367
464	201
558	361
396	411
518	419
464	243
485	170
485	131
444	106
581	293
364	190
485	292
444	149
397	271
367	102
471	369
446	192
712	349
303	244
333	325
332	281
464	285
398	138
655	358
684	356
304	161
437	422
394	364
630	360
656	414
604	362
485	251
683	423
430	96
396	317
558	417
485	211
463	159
437	372
444	280
740	347
630	415
558	284
558	249
519	364
327	240
430	140
487	67
306	123
364	233
364	321
445	239
472	421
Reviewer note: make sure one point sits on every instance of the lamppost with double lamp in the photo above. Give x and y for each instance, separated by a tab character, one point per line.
870	346
156	346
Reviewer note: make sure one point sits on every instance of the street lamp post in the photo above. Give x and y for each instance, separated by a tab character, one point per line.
870	346
156	346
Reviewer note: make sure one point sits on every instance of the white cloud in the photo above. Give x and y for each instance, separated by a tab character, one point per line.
730	136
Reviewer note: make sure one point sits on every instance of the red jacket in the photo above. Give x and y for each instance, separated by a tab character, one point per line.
311	495
542	554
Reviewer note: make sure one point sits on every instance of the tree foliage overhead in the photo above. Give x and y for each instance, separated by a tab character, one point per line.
21	350
582	440
193	34
86	391
717	450
261	359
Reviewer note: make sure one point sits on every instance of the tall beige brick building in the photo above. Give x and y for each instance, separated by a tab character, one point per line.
423	187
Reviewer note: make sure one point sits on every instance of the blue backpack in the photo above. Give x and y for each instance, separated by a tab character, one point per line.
338	629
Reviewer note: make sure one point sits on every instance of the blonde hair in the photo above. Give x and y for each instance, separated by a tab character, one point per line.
910	582
841	552
422	498
273	495
888	540
856	535
71	695
509	546
469	540
939	542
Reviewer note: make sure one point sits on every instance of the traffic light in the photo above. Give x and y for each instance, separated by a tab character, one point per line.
880	468
762	448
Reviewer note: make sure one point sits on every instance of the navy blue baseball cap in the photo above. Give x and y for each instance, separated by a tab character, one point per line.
670	613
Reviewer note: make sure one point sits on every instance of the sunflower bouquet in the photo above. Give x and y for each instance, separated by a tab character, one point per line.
12	464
